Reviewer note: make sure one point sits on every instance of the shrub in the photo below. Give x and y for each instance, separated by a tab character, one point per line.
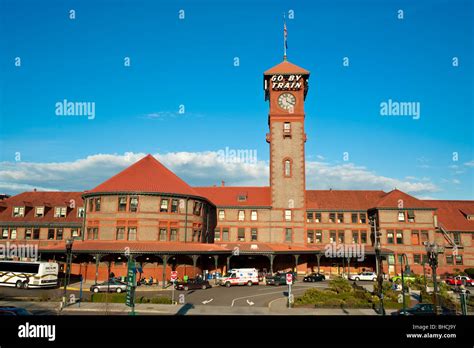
469	272
161	300
340	285
111	298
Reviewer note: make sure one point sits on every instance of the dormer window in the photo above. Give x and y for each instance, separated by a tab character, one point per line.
60	212
39	212
18	211
242	197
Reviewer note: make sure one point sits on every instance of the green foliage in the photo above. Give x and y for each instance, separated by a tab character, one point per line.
340	285
110	298
469	272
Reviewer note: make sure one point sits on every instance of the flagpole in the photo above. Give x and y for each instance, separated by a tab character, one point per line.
284	37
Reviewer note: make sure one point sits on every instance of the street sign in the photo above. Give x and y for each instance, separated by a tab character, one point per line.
174	275
131	283
289	278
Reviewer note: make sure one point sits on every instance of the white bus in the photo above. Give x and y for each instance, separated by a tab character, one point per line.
24	275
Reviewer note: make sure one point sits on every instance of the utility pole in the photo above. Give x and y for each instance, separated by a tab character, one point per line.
433	250
378	264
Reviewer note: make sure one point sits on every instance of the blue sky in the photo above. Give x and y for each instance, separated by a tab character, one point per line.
190	62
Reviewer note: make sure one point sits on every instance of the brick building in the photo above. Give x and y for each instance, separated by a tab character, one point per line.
148	213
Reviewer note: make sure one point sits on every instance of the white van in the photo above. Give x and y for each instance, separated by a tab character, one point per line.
240	276
26	275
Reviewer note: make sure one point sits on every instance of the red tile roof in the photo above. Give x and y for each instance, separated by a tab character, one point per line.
286	67
49	200
452	214
399	199
228	195
342	199
146	175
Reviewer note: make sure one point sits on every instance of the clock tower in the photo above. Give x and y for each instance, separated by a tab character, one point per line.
286	86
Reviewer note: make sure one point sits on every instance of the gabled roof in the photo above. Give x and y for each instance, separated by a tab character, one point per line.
286	67
46	199
146	175
452	214
398	199
342	199
228	195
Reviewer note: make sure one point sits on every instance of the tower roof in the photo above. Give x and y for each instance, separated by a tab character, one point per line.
146	175
286	67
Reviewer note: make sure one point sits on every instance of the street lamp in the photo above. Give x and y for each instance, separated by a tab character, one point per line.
67	272
433	250
404	270
378	262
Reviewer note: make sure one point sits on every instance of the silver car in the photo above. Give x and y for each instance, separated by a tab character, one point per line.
109	285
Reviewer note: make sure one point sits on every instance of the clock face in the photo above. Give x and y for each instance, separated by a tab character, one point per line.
286	101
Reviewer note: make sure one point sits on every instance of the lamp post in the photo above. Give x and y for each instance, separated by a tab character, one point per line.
433	250
407	270
378	264
67	272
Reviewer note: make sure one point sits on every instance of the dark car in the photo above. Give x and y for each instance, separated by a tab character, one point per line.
314	277
424	309
13	311
279	278
193	284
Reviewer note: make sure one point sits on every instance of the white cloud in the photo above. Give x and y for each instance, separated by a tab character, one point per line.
470	163
197	169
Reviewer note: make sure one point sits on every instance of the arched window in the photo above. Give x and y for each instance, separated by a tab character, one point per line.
287	167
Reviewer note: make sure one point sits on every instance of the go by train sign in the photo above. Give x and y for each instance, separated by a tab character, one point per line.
286	82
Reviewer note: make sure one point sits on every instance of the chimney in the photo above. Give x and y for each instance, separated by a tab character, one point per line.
222	183
34	190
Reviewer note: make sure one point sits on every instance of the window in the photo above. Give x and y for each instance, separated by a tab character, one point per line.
97	204
355	237
424	236
120	234
164	206
417	259
122	203
197	208
332	236
391	259
449	259
332	217
173	234
132	233
59	234
225	234
241	234
340	236
75	232
195	235
399	237
217	234
363	237
411	216
221	215
39	212
317	217
36	233
401	216
18	211
174	205
60	212
253	215
424	258
340	218
81	212
92	233
318	237
354	218
241	215
287	215
457	238
309	217
133	204
390	239
91	204
458	259
415	237
253	234
28	233
310	234
13	233
5	233
287	168
362	218
400	258
50	233
163	232
288	235
286	128
242	197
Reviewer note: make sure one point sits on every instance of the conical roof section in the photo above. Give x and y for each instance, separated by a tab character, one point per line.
146	175
286	67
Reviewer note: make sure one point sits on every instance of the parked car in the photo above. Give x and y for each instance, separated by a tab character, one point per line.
424	309
279	278
13	311
314	277
112	285
408	278
193	284
459	280
372	276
